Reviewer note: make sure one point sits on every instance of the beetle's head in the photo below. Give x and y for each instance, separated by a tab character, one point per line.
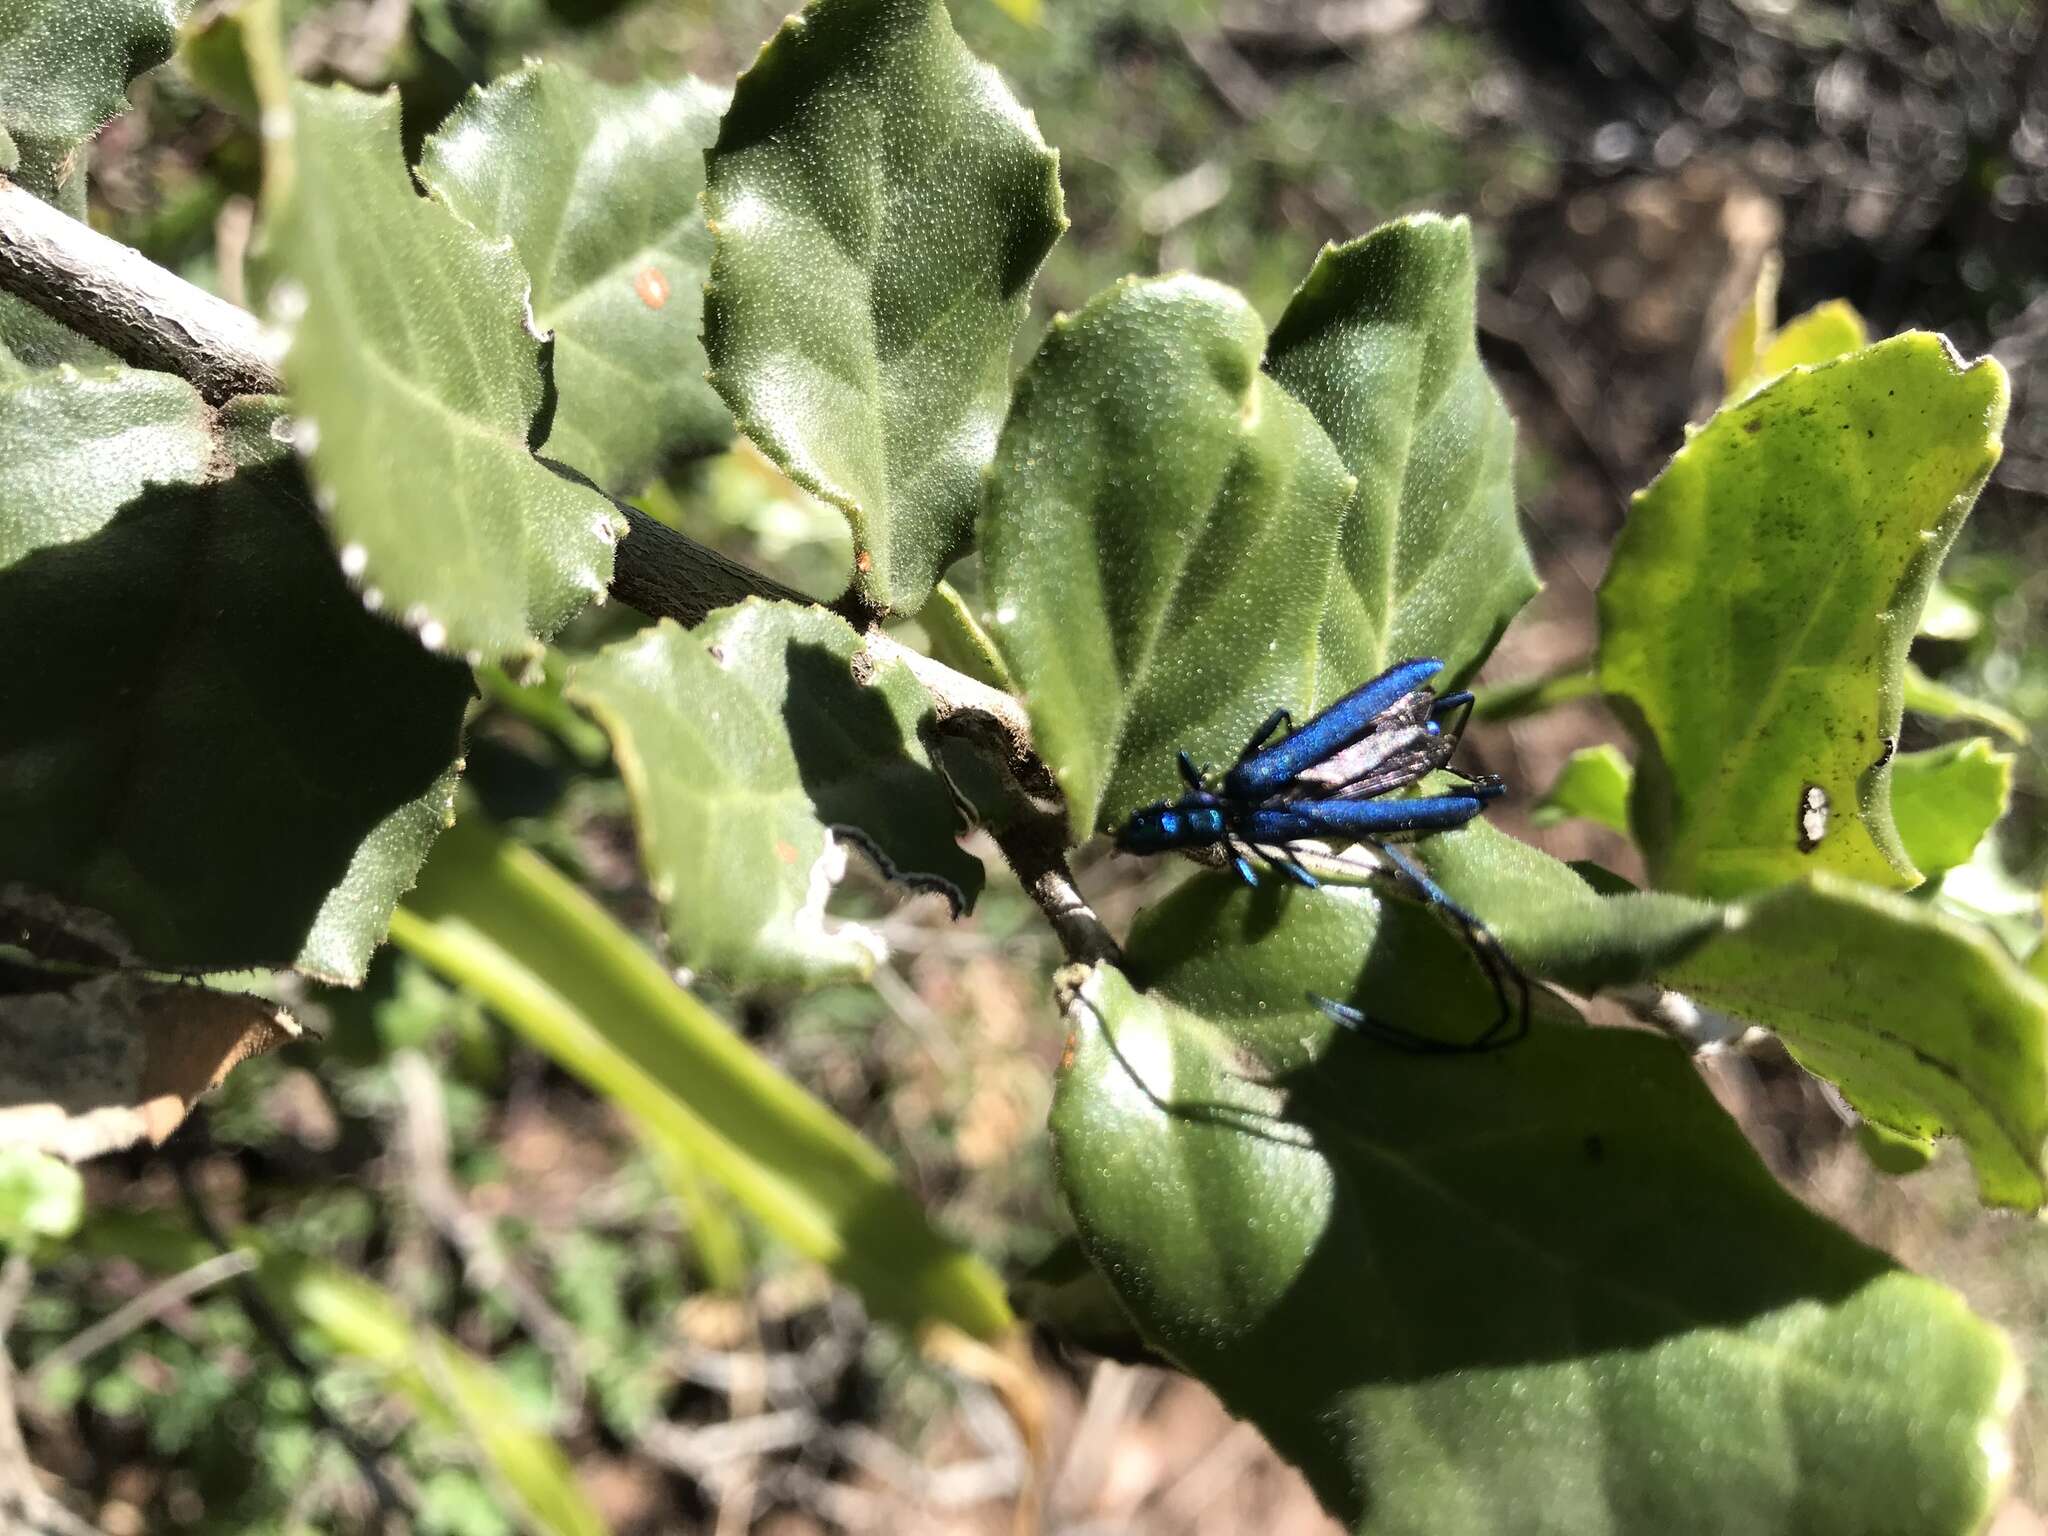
1193	821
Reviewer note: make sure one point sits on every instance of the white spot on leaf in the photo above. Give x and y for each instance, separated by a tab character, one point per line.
1814	809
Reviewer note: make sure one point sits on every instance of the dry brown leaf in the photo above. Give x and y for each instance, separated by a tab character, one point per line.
108	1061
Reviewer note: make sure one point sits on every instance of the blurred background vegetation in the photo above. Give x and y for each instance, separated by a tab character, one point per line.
1628	168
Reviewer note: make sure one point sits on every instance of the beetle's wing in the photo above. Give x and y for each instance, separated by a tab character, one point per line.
1399	749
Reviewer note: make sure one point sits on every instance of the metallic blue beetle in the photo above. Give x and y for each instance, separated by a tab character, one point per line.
1320	781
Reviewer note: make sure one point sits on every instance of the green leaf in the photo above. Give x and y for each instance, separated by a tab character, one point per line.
40	1196
64	70
351	921
1593	783
1756	613
559	970
1379	344
1926	1024
1893	1152
1947	798
792	744
65	66
954	636
417	385
1938	701
207	738
879	203
1825	332
1454	1290
596	186
1406	960
1558	926
1160	526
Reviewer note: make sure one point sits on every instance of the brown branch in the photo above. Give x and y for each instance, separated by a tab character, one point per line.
152	318
118	297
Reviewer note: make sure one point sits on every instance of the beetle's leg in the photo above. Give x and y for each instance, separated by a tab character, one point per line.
1459	704
1265	732
1190	772
1486	948
1398	1036
1245	872
1282	859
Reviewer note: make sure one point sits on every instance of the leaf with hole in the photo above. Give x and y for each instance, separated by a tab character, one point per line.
1756	613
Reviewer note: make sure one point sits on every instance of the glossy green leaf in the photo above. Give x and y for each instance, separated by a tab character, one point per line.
1379	344
40	1196
1926	1024
1938	701
1756	613
792	745
879	203
1548	1290
596	186
64	70
1945	799
1593	783
207	740
495	918
417	385
1160	527
345	1315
